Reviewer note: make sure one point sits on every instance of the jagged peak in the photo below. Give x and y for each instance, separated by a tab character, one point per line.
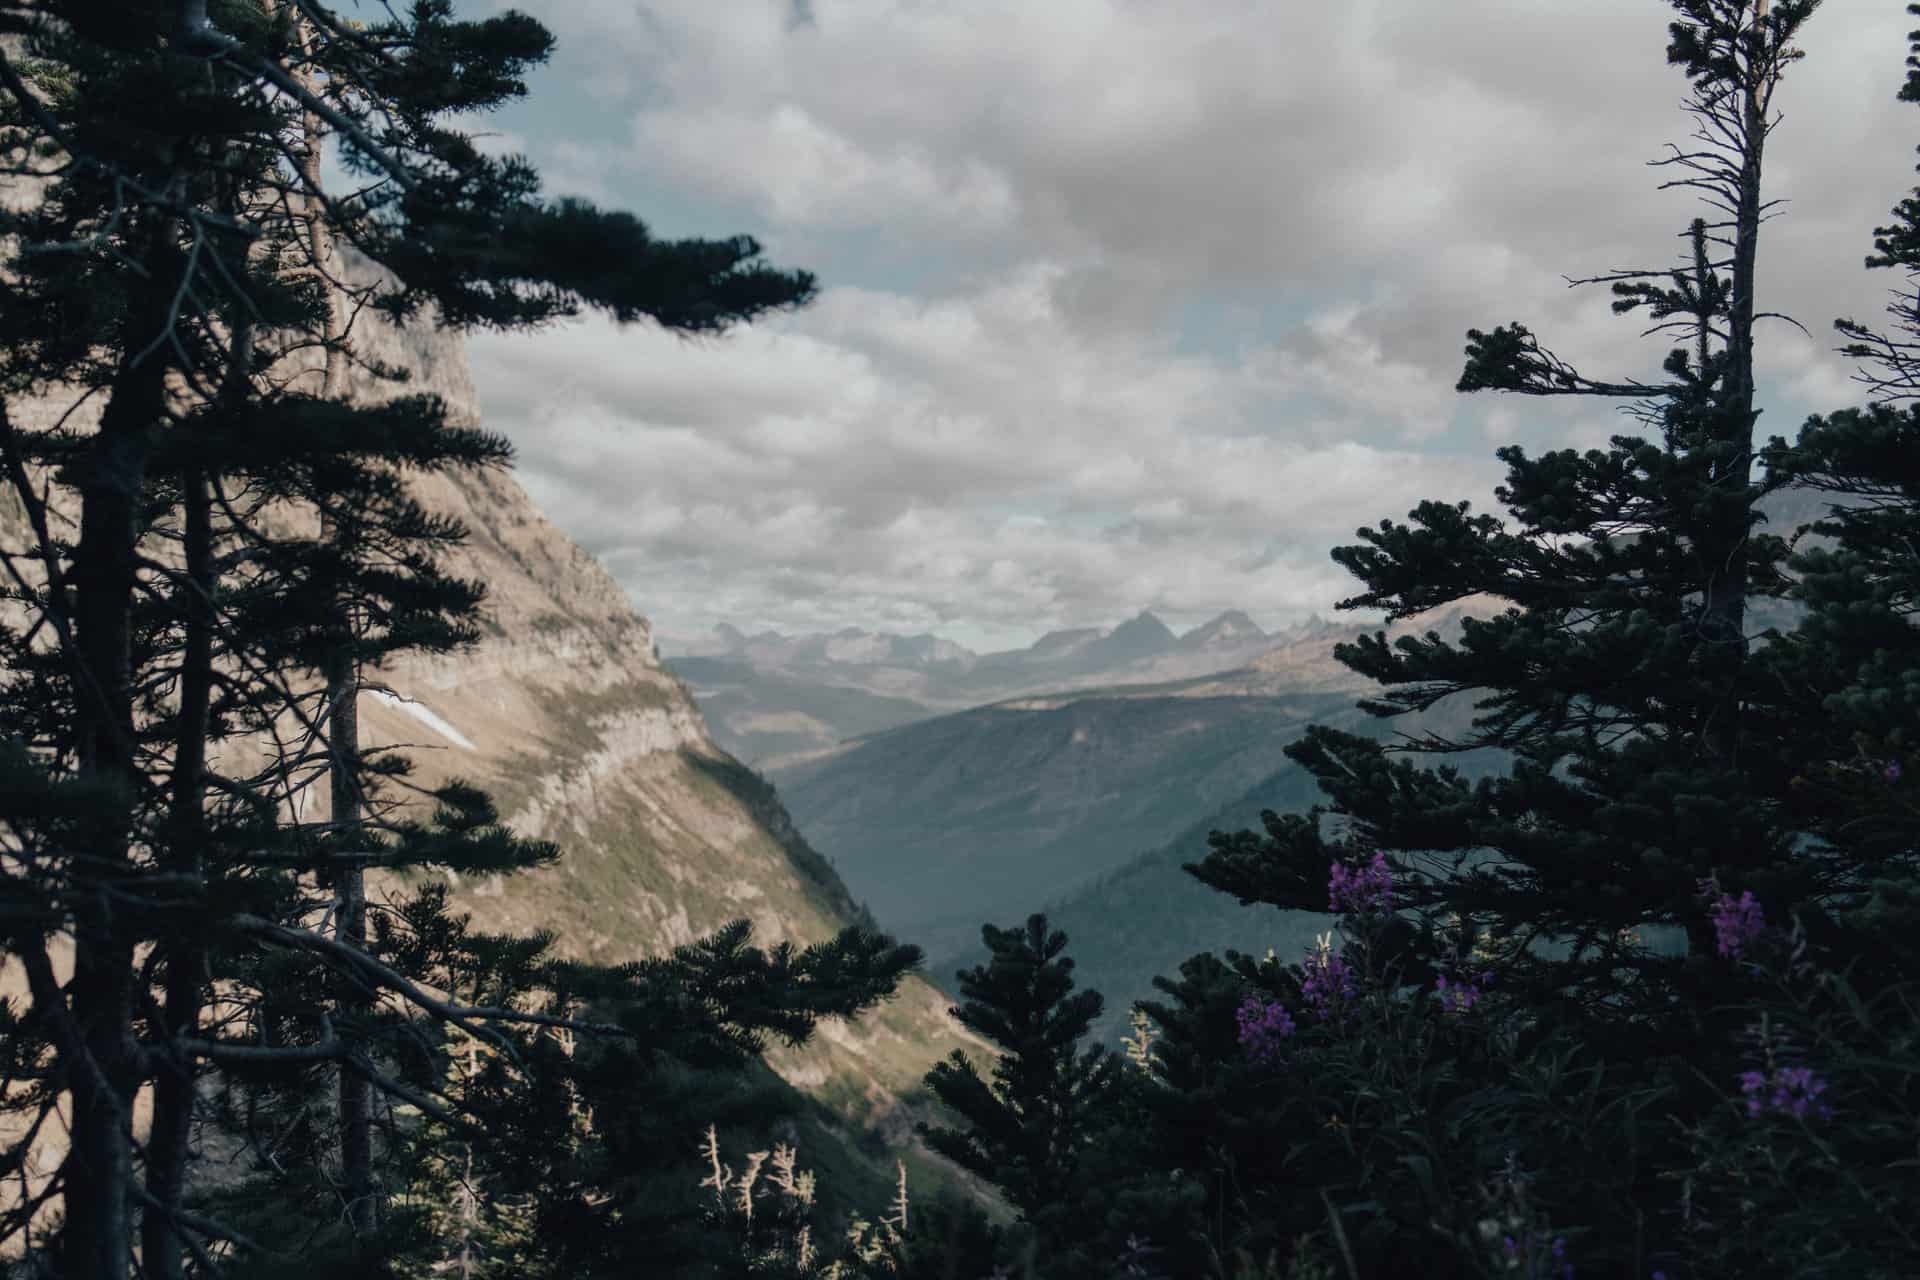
1142	625
1232	626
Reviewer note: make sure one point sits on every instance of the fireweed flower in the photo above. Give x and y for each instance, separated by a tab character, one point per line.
1263	1025
1360	890
1790	1090
1329	979
1793	1092
1558	1249
1735	923
1459	997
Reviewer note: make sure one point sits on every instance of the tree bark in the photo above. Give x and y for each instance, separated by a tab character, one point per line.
186	962
1724	621
1723	613
343	715
96	1241
350	926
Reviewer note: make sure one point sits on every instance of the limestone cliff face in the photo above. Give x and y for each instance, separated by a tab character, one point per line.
566	715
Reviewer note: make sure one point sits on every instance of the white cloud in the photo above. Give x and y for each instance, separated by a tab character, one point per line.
991	419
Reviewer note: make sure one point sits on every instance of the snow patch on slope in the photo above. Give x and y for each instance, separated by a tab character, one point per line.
428	718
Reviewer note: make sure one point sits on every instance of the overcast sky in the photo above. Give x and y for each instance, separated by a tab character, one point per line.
1127	303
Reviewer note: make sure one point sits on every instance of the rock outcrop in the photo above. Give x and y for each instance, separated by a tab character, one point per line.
566	716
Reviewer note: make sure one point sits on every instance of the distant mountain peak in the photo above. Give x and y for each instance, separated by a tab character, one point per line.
1314	627
1227	630
1065	640
1141	636
1143	622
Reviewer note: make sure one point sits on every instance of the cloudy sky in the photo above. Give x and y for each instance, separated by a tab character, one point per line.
1127	303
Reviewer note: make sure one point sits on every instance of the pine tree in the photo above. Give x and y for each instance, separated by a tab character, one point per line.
1850	666
1620	675
1030	1126
154	276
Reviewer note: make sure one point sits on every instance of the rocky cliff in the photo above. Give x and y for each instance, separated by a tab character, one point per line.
566	715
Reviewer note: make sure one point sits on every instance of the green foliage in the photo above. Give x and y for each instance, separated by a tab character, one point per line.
1029	1124
1652	752
220	950
1617	678
1025	1127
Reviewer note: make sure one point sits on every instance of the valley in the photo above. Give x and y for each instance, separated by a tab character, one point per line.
778	702
1085	798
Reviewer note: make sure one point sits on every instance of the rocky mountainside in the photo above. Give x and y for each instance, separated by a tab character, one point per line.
567	716
1230	630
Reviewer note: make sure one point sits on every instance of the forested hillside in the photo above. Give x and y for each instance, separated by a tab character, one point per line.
375	903
554	836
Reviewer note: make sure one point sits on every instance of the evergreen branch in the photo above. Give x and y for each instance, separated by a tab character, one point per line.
197	39
467	1017
205	1226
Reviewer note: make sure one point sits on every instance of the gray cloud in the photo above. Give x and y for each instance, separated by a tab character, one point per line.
1003	413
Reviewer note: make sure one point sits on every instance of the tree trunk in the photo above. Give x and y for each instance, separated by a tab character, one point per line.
1723	621
96	1241
343	719
350	925
186	960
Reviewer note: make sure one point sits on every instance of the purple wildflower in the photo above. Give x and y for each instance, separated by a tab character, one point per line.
1263	1025
1329	980
1360	890
1134	1259
1559	1251
1793	1091
1737	923
1893	771
1459	997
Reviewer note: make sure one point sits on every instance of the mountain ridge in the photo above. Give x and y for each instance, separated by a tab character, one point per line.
583	736
565	715
778	700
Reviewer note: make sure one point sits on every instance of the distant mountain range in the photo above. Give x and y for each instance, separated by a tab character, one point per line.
986	814
1086	801
952	789
776	700
1089	649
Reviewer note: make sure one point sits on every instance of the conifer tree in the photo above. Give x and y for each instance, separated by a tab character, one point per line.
1846	677
1850	666
152	276
1620	677
1646	763
1031	1124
